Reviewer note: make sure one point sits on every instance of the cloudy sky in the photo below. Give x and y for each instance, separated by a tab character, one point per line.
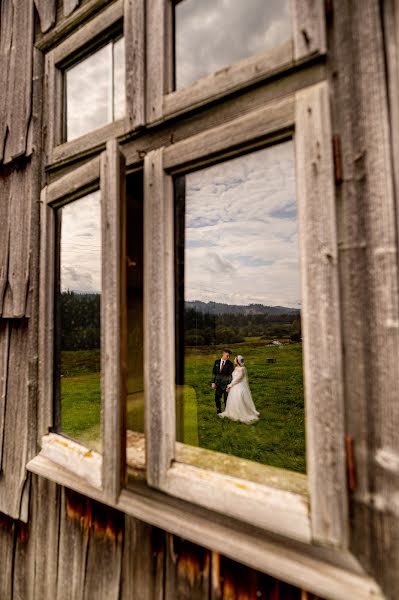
241	230
211	34
89	84
81	245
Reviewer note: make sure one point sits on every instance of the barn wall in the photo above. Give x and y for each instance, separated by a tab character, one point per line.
55	543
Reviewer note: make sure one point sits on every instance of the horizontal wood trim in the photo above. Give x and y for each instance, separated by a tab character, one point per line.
270	508
90	142
331	575
79	460
73	182
66	26
228	80
273	118
88	32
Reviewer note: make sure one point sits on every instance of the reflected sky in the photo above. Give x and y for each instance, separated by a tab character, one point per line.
241	242
211	34
95	90
80	253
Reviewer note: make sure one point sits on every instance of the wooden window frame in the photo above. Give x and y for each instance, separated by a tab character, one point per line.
105	471
325	520
308	42
100	28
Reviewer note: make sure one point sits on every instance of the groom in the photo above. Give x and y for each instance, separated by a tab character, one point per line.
221	377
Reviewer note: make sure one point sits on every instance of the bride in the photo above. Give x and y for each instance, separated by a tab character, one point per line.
240	406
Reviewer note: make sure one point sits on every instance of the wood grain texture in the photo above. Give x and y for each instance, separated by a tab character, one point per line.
273	118
19	233
69	6
156	68
5	181
159	361
133	30
321	316
113	318
187	570
6	31
18	418
369	274
83	177
47	13
4	349
309	30
19	81
46	318
143	561
226	81
7	540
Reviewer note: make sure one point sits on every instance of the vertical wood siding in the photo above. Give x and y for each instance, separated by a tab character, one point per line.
77	549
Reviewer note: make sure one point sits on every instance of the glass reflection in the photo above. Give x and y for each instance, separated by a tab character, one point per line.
212	34
238	300
95	90
78	319
135	358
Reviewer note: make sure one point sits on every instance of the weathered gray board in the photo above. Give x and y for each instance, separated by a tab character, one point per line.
74	548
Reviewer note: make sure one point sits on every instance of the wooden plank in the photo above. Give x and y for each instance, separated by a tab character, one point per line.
104	557
235	77
143	561
309	29
156	68
6	31
45	523
47	14
187	570
69	6
66	25
89	31
159	353
133	29
90	143
274	118
75	183
321	317
4	349
326	572
5	236
113	318
19	227
46	318
368	218
19	92
18	417
74	533
7	541
275	510
82	462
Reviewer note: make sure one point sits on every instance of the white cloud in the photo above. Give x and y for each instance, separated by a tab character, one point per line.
212	34
81	245
241	230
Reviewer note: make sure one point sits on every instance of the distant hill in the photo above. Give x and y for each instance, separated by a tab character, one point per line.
218	308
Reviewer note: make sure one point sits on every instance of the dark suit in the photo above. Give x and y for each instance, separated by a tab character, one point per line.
221	378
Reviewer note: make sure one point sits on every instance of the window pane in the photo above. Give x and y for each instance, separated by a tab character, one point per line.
238	289
78	320
135	383
95	90
212	34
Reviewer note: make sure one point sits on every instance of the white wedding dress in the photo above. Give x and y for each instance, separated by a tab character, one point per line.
240	406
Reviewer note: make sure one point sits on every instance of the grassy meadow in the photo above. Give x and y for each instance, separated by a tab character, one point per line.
277	439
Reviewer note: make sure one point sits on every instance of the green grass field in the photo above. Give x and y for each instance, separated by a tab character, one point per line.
277	439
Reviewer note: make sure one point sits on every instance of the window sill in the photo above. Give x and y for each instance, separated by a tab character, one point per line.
326	572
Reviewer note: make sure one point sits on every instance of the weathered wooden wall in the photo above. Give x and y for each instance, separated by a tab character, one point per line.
73	548
57	544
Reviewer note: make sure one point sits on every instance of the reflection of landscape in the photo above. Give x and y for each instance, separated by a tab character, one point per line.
237	250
